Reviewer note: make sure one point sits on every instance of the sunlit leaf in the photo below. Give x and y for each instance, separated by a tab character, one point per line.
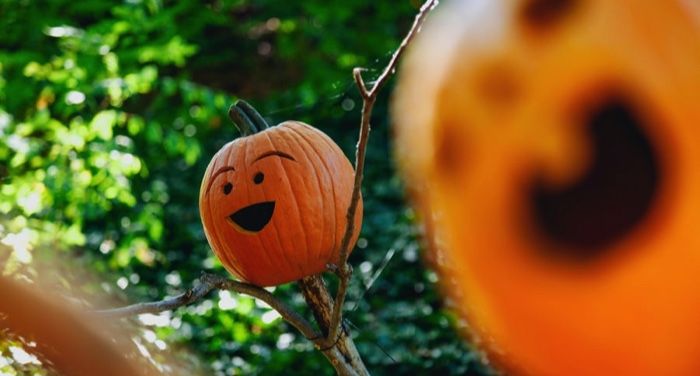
101	125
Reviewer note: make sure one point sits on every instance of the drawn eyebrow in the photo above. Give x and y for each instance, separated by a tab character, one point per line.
275	152
217	173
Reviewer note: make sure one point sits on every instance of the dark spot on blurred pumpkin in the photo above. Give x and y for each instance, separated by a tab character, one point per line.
542	14
498	84
448	151
613	196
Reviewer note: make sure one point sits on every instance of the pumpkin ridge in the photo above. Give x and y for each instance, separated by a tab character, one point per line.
294	142
224	254
289	264
287	141
340	209
215	235
330	173
319	184
328	142
346	204
271	261
230	249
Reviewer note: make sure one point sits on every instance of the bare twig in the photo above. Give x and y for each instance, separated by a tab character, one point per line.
209	282
190	296
369	98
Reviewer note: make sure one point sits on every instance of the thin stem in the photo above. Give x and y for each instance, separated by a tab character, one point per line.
253	115
415	29
357	75
244	124
369	97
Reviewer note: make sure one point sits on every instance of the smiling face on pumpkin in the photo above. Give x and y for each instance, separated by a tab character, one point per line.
273	203
252	218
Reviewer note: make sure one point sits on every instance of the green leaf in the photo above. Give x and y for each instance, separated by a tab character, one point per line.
102	124
74	235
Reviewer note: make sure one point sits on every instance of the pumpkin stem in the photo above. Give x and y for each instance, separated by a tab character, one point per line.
244	124
253	114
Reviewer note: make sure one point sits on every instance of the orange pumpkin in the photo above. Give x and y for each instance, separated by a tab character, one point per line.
273	202
554	145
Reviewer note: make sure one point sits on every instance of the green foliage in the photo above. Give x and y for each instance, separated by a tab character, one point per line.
109	113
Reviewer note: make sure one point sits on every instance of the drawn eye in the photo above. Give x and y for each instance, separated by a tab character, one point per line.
228	187
258	178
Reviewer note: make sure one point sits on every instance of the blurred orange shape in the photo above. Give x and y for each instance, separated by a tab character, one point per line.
554	148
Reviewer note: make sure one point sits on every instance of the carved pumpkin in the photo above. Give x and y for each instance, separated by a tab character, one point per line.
554	146
273	202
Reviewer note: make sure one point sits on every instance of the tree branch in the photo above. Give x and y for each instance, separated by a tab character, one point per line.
341	352
369	98
209	282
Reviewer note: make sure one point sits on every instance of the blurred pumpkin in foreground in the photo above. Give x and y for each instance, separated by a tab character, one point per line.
554	147
273	202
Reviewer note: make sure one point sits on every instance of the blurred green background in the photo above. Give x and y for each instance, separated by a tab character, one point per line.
109	113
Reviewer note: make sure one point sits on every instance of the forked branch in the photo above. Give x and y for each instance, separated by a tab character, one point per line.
369	98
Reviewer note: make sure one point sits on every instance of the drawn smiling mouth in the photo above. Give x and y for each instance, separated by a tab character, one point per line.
253	218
